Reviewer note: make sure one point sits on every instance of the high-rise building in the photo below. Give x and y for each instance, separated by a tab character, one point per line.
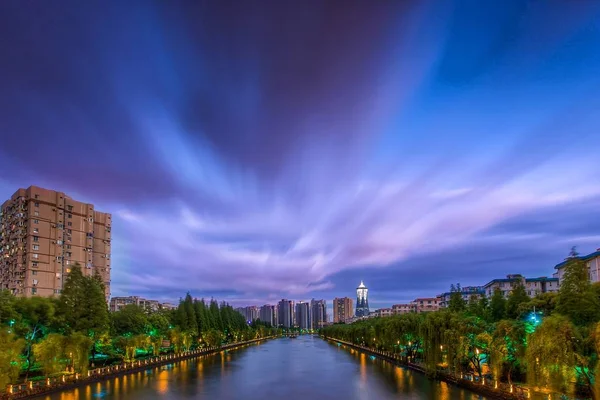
267	314
43	234
117	303
303	317
285	313
318	313
362	300
250	313
342	309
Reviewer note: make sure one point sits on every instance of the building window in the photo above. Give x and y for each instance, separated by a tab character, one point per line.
59	242
36	204
33	272
70	216
36	247
35	221
35	255
34	264
56	291
33	291
36	196
69	223
70	208
36	238
36	230
68	230
36	213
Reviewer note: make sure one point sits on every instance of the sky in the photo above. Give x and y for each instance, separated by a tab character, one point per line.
253	151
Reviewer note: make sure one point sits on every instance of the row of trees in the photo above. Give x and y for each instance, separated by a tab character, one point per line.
555	347
71	332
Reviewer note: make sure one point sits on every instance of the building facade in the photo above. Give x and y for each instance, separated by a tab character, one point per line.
303	317
533	286
267	314
403	308
593	263
117	303
383	312
362	300
467	293
250	313
285	313
43	234
318	313
426	304
342	309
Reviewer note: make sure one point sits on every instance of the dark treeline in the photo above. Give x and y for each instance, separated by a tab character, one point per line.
556	347
75	331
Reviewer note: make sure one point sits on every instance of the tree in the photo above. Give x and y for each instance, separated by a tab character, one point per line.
576	298
456	303
550	354
131	319
49	352
517	296
497	305
544	303
7	307
507	348
77	347
82	304
35	316
10	350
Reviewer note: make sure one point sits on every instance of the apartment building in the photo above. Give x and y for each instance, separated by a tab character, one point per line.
403	308
383	312
467	293
342	309
267	314
43	234
318	313
533	286
426	304
593	262
117	303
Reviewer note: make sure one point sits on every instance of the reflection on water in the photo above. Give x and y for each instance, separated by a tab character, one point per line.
291	369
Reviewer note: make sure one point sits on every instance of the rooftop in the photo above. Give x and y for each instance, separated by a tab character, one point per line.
584	258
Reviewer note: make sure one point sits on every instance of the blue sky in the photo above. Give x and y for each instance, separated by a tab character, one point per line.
254	151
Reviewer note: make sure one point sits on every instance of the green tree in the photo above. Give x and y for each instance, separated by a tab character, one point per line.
576	297
550	354
507	348
82	304
50	353
497	305
456	303
35	316
77	347
7	307
131	320
517	296
10	349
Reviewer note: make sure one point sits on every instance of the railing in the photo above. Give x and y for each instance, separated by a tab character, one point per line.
52	384
485	386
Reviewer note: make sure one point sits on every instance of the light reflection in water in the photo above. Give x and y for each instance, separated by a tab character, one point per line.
292	370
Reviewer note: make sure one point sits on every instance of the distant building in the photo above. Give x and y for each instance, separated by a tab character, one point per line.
250	313
593	263
267	314
45	233
467	293
403	308
342	309
426	304
318	313
384	312
362	300
303	317
117	303
285	313
167	306
533	286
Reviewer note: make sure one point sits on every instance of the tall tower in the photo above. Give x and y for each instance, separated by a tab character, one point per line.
362	301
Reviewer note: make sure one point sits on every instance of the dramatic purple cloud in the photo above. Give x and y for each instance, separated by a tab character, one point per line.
281	149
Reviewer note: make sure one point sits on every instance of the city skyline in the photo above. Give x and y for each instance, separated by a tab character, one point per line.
416	147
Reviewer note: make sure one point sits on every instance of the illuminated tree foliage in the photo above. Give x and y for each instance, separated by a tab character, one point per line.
576	298
10	350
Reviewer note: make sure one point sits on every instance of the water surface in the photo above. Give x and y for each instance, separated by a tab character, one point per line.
291	369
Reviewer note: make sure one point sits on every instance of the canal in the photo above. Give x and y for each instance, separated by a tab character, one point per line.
291	369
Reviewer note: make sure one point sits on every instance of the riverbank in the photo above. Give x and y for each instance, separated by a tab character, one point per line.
65	382
491	390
